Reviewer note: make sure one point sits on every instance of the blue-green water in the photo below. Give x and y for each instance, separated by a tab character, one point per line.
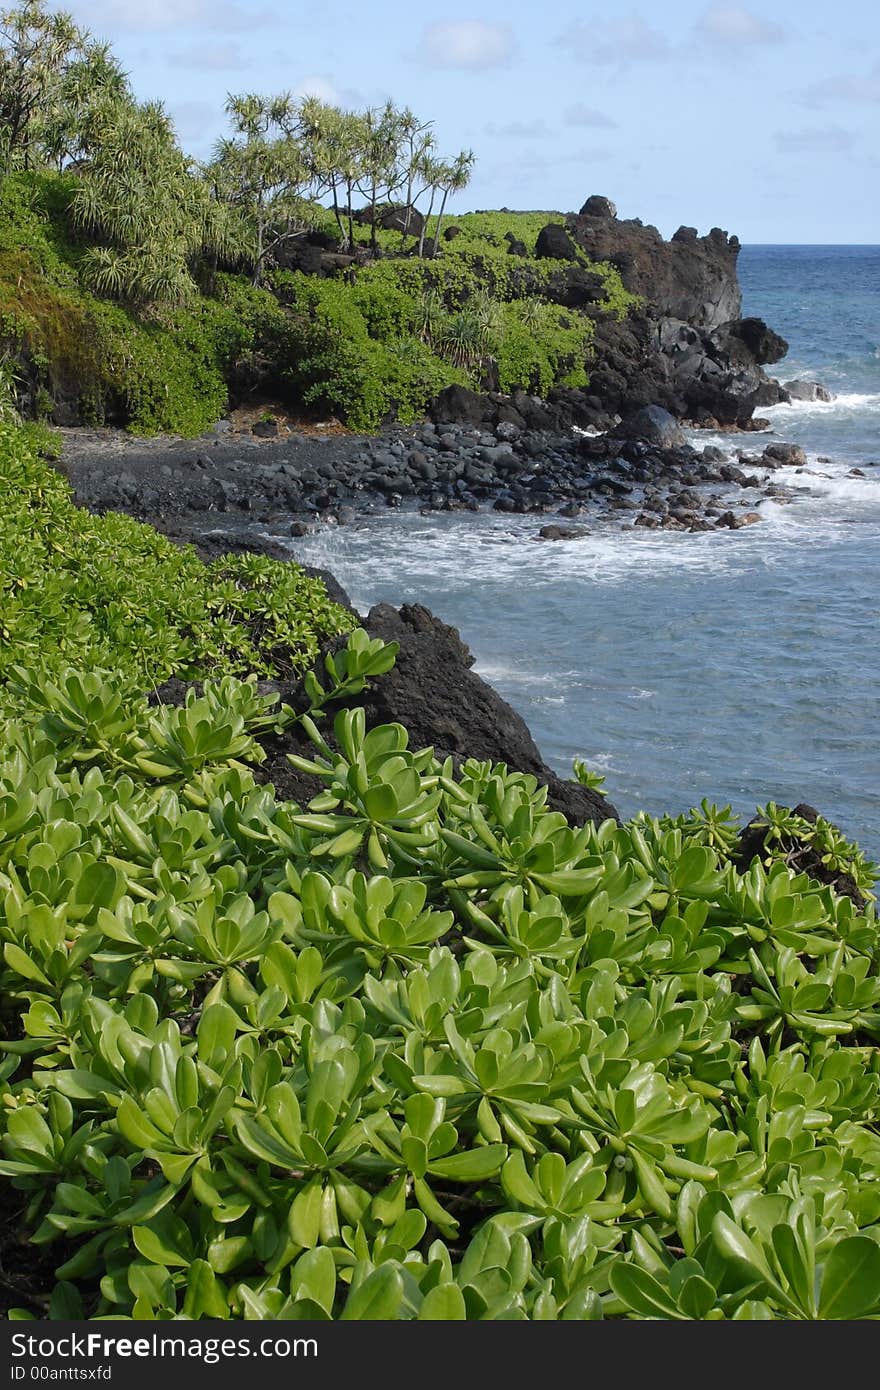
742	666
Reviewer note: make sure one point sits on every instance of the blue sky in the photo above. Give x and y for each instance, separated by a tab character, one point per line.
763	120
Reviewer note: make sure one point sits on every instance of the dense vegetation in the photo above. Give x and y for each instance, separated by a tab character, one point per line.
416	1050
78	590
140	288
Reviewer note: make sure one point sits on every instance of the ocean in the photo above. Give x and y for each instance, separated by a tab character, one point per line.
741	666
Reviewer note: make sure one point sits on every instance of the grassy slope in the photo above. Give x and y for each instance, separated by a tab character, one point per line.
365	350
79	590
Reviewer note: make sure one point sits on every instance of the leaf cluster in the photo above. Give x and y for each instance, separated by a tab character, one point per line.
419	1049
108	592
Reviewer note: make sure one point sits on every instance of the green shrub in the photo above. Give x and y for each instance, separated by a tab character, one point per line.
360	347
333	359
419	1049
540	346
109	592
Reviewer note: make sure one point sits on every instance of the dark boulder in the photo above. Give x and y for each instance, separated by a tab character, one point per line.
554	243
807	391
332	262
562	533
393	217
653	425
799	852
265	429
325	241
597	206
451	232
435	695
784	456
575	287
459	405
300	255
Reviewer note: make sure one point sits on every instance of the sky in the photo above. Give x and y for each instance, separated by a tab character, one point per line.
761	119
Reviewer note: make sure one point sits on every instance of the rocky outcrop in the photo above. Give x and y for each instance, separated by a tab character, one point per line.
690	277
433	692
807	391
799	851
688	350
708	377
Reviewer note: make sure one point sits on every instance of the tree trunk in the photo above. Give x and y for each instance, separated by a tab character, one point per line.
373	241
425	223
407	216
338	215
440	221
258	265
349	191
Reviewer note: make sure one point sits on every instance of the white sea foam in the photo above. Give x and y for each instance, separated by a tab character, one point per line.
845	401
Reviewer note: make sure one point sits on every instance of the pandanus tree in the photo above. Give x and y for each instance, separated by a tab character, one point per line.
432	171
332	143
36	51
416	143
90	87
262	173
145	206
381	171
453	178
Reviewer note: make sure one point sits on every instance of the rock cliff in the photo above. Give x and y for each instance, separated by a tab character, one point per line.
689	349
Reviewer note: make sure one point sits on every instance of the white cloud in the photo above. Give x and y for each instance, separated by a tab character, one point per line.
588	116
224	16
325	89
823	140
616	43
735	27
849	87
467	43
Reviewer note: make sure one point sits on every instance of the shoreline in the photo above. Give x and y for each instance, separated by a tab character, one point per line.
159	489
225	484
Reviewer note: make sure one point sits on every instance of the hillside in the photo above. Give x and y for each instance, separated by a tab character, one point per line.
367	339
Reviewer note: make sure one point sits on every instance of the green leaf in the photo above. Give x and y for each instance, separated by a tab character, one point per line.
697	1297
651	1184
101	885
205	1297
641	1292
156	1247
304	1219
380	802
314	1277
518	1183
216	1033
473	1166
851	1279
445	1303
265	1145
136	1128
377	1298
23	965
